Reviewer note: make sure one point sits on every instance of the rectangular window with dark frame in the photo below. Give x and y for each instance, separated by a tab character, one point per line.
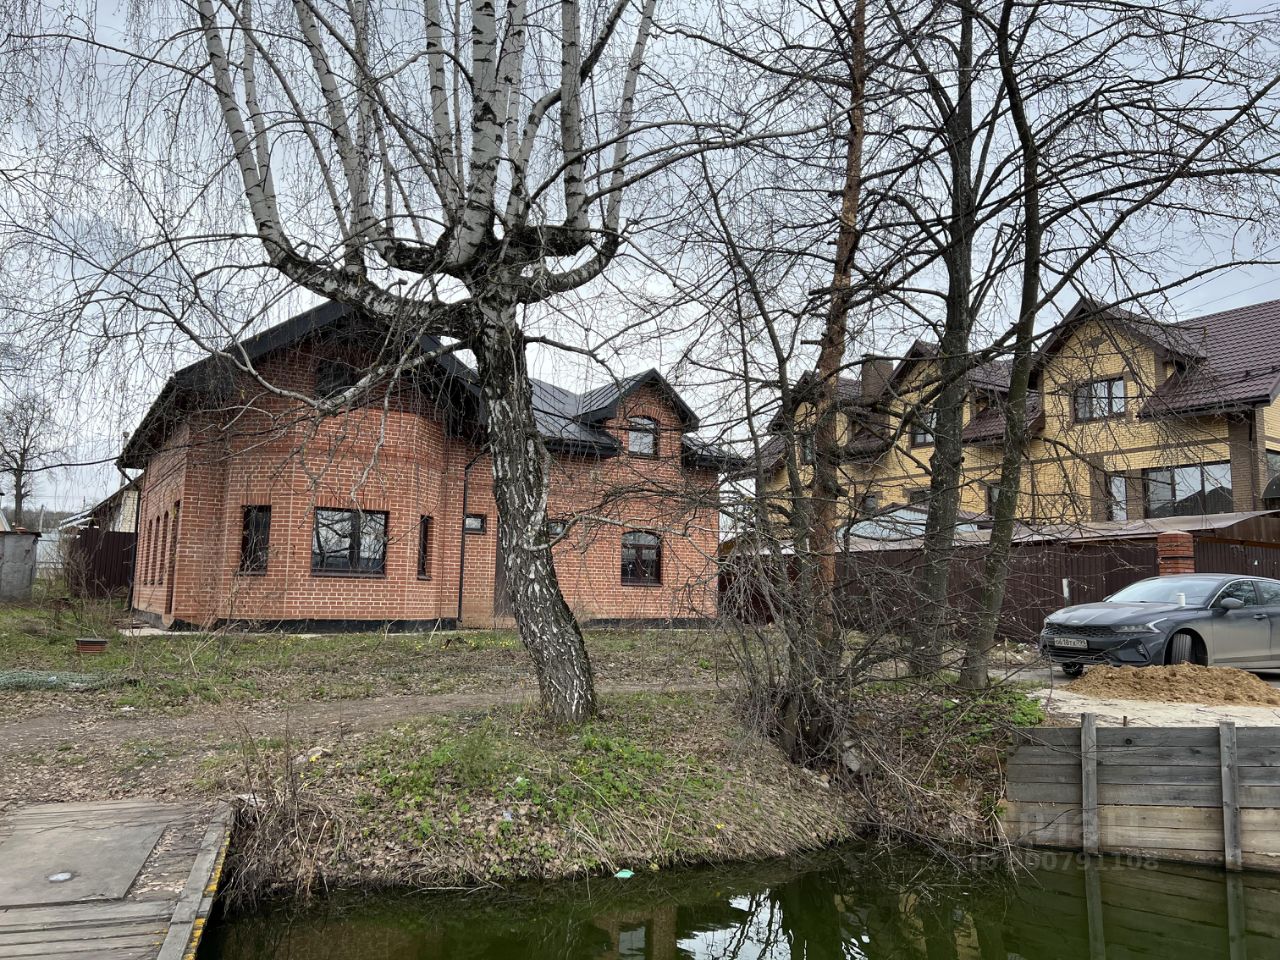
1117	496
922	428
424	548
1189	490
918	495
1098	400
255	539
807	453
642	437
474	523
352	542
993	497
641	558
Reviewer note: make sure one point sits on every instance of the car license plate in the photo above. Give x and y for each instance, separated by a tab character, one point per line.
1071	643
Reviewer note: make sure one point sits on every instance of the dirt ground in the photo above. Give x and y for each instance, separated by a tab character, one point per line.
158	713
68	747
1163	697
1188	683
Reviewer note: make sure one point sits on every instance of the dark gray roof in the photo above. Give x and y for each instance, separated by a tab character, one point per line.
570	422
992	375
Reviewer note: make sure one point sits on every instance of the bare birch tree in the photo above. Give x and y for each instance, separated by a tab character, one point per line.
439	168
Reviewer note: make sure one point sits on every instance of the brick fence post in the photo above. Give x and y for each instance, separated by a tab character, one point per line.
1176	553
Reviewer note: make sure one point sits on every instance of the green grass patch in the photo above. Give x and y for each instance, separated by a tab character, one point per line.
186	670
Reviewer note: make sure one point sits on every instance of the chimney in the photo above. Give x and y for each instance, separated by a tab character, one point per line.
875	376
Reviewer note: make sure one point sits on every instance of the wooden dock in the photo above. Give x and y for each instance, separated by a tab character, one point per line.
1192	794
109	880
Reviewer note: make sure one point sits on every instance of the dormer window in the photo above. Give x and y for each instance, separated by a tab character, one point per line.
642	437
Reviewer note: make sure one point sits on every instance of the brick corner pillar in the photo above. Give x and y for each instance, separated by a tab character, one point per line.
1176	553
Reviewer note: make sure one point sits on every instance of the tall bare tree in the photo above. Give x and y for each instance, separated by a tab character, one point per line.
28	444
1194	123
819	661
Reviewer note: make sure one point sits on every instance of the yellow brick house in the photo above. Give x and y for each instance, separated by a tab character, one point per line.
1131	419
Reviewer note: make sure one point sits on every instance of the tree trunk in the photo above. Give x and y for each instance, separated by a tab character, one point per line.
547	627
810	724
945	465
996	569
19	494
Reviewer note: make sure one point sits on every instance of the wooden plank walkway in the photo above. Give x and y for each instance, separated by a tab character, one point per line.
116	880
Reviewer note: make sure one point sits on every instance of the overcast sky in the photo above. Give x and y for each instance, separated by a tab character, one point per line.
96	423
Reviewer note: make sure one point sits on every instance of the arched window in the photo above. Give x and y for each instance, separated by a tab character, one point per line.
641	558
164	546
151	550
642	437
144	555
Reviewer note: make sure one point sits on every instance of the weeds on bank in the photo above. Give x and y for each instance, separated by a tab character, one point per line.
467	800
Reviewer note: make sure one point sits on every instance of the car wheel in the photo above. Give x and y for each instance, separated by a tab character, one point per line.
1180	647
1073	670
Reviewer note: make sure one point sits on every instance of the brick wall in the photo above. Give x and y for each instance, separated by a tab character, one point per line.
403	461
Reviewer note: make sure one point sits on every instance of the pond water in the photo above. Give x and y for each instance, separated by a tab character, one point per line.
843	905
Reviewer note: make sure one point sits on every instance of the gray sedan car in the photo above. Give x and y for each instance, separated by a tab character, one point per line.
1205	618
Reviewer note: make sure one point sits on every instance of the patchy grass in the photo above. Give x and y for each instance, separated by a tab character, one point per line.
186	670
658	780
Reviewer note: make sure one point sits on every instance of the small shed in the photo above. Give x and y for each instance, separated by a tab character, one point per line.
17	564
99	545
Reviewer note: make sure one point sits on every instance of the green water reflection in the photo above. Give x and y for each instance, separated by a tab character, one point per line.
842	906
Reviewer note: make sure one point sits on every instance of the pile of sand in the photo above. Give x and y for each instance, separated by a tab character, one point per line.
1181	684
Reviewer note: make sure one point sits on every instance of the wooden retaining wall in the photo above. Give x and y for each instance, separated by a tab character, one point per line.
1197	794
1103	911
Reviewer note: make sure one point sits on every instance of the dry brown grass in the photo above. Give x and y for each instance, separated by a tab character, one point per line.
660	780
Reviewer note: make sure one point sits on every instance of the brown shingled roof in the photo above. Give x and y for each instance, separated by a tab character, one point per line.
1240	366
988	426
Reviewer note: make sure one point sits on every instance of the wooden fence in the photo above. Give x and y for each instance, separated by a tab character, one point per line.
883	586
99	563
1197	794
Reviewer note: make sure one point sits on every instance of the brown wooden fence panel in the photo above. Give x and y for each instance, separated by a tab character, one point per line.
881	588
100	563
1218	555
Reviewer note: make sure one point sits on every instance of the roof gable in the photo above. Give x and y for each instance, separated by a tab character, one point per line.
603	402
568	421
1174	339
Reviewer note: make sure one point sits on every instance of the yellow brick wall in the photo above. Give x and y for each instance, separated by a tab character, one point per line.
1058	479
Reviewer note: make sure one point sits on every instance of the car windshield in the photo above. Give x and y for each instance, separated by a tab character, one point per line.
1191	591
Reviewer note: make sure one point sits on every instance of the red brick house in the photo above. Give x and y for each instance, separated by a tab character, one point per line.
253	508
